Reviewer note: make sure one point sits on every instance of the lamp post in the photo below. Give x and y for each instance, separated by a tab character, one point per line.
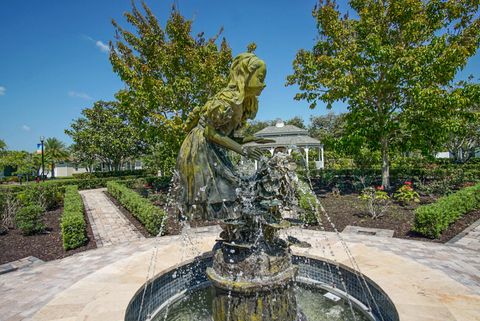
42	139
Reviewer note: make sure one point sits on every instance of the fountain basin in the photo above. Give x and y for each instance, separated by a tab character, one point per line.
420	290
175	284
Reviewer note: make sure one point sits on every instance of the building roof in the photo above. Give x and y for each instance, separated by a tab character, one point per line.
284	136
280	129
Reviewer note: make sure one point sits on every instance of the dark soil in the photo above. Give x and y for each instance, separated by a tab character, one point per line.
348	210
46	246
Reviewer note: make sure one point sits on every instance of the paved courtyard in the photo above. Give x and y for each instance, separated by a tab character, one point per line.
416	275
38	291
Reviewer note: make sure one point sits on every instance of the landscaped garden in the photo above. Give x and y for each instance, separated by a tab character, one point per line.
432	203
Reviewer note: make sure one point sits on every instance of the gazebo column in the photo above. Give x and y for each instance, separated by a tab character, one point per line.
271	150
306	155
289	151
320	156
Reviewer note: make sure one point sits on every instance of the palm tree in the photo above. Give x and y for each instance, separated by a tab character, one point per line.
56	151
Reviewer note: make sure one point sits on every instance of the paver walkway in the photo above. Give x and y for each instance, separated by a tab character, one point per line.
469	238
109	225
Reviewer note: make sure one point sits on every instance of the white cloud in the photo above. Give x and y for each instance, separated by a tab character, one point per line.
76	94
2	90
26	128
98	43
103	47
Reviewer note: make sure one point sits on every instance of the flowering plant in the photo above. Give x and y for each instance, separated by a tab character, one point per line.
376	201
406	194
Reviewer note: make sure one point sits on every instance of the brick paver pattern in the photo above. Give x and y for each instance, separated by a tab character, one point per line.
109	225
469	239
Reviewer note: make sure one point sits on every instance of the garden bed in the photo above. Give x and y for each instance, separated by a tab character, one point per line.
348	210
46	246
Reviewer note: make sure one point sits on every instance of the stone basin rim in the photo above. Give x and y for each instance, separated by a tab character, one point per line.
303	280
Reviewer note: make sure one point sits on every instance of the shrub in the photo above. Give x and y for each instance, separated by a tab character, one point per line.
375	200
132	172
9	205
406	194
148	214
431	220
307	201
29	219
73	219
47	196
61	183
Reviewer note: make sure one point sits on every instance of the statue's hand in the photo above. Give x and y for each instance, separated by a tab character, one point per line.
257	140
264	140
252	152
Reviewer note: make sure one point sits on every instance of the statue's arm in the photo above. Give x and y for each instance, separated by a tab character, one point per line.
247	139
218	138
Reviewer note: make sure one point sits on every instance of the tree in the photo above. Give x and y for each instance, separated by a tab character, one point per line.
105	134
296	121
255	126
167	72
328	129
462	130
392	65
22	162
55	152
83	151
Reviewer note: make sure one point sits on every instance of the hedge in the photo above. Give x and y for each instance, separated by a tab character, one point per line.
80	183
132	172
148	214
73	219
431	220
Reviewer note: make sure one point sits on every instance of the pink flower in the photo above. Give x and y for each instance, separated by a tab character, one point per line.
408	183
379	188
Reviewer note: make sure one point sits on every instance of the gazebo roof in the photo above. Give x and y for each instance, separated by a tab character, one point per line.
284	136
280	129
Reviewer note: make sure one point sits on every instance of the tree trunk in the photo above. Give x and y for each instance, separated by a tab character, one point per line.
385	165
53	170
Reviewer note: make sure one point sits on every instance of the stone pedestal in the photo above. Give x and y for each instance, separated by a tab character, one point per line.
253	285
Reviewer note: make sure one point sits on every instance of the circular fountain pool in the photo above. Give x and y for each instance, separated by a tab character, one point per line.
184	293
310	299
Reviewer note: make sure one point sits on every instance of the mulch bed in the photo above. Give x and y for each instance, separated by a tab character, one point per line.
46	246
348	210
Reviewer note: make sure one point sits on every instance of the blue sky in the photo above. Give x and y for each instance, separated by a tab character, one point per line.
54	61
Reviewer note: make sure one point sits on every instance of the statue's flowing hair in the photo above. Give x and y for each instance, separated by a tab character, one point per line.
242	68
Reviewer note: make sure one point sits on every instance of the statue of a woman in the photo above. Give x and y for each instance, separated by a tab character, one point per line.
206	175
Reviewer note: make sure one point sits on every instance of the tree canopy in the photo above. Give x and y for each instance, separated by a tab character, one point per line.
167	72
104	134
392	62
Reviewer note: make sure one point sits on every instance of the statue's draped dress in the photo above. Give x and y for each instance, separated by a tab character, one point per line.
205	172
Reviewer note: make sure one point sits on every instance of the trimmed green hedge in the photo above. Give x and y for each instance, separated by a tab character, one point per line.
81	183
431	220
148	214
73	223
133	172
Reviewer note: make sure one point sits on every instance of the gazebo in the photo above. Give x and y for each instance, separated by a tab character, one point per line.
287	137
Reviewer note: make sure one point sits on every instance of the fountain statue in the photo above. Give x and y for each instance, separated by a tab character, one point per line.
252	272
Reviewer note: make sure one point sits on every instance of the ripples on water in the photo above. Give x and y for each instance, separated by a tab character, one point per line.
197	307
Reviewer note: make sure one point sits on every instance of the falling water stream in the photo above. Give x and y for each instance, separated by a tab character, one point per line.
311	301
